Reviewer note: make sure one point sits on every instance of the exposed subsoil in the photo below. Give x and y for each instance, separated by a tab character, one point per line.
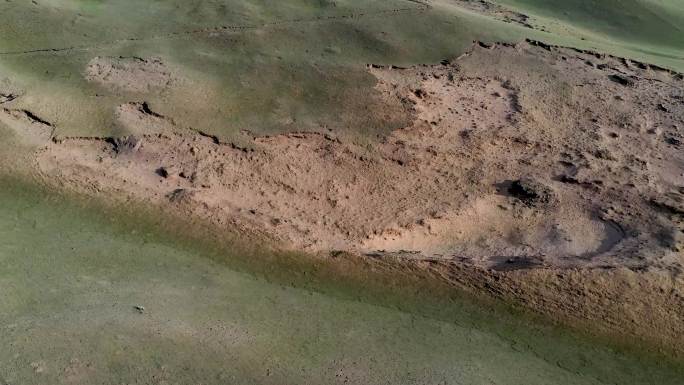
130	74
543	175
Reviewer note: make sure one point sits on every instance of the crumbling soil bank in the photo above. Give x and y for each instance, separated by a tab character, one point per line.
542	175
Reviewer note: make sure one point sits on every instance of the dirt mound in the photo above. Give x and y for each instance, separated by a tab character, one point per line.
435	187
520	158
130	74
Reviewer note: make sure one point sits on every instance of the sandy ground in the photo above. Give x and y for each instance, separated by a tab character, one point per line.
543	175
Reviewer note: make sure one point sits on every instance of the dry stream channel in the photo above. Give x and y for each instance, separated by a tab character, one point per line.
107	299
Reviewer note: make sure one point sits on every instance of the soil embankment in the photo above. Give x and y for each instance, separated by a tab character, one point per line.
547	176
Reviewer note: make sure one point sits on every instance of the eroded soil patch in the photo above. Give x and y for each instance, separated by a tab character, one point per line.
28	127
523	161
130	74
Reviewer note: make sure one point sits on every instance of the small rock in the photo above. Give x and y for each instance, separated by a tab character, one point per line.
162	172
530	192
420	94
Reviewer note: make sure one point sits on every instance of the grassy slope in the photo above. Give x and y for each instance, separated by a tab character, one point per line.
67	315
301	74
72	283
654	26
298	65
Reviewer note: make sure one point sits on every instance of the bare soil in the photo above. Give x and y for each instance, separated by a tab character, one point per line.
29	128
131	74
546	176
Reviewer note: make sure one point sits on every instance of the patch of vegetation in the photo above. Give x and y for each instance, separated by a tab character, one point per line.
271	67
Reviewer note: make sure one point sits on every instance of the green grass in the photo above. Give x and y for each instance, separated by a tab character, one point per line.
71	273
654	26
71	276
304	74
296	65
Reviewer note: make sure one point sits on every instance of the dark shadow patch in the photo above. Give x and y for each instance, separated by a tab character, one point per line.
126	144
521	262
528	191
622	80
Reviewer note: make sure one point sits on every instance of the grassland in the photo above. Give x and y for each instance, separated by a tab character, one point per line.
273	67
106	290
110	298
